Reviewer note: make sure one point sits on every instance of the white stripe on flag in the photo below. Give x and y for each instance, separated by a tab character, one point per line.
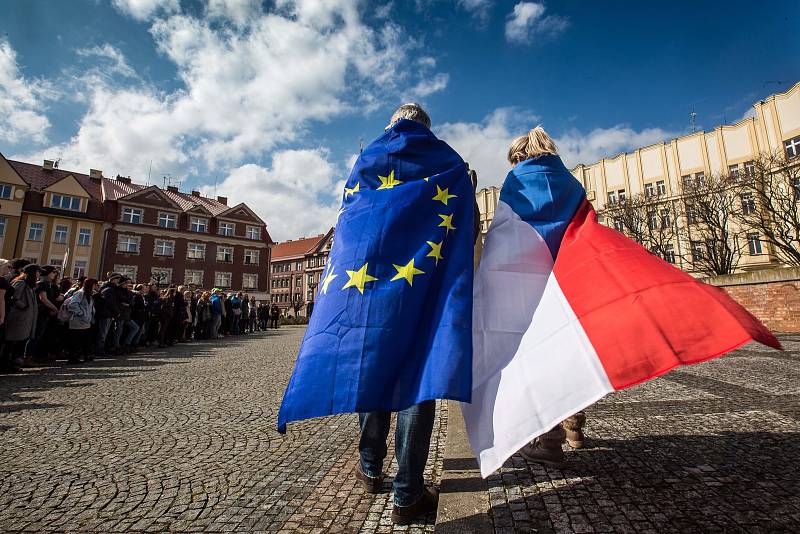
534	365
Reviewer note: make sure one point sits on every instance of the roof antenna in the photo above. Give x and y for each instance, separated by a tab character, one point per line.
693	120
150	168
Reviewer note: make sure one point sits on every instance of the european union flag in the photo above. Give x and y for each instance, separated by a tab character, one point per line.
392	325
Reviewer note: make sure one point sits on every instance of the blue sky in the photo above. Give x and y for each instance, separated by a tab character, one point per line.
266	102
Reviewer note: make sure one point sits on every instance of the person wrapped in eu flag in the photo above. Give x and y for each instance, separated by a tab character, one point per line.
392	322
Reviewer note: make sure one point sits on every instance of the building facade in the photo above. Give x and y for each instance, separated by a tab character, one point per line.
90	225
296	270
665	170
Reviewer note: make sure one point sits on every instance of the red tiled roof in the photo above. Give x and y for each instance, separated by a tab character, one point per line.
296	247
115	189
40	179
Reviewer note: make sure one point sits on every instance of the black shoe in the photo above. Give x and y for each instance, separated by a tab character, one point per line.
370	484
425	505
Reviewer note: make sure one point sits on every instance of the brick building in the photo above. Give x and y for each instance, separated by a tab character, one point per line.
175	237
296	269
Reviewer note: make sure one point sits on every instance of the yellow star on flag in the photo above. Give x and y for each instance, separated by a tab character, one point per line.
407	272
426	179
350	191
447	222
388	182
436	251
443	195
326	282
358	279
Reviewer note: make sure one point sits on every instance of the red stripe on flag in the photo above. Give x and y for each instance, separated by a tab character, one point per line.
642	315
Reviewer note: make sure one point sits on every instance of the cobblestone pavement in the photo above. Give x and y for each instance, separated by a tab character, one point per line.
713	447
182	440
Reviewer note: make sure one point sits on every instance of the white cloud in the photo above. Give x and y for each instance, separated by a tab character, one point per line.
478	8
237	11
22	101
145	9
428	87
484	145
527	21
119	65
297	195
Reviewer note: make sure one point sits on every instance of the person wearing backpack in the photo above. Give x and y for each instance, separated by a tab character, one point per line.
79	313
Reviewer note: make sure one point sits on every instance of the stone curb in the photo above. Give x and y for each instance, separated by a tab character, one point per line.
464	496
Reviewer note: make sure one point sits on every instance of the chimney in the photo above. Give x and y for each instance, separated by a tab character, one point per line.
172	188
47	165
195	193
96	174
124	179
222	200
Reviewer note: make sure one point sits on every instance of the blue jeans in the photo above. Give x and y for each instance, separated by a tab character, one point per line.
103	326
412	441
133	329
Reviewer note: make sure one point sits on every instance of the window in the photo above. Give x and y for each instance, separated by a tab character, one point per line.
132	215
5	191
222	279
79	268
298	266
669	253
193	277
64	202
748	203
251	257
198	224
85	237
733	171
795	186
249	281
700	179
652	220
661	187
167	220
226	228
749	168
754	244
687	181
612	197
35	231
697	251
196	251
691	214
129	271
60	235
225	254
792	147
161	275
164	248
298	281
618	225
310	278
649	190
2	226
253	232
57	262
128	244
666	218
620	195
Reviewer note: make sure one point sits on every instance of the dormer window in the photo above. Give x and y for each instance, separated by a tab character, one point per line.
132	215
167	220
65	202
5	191
226	228
253	232
198	224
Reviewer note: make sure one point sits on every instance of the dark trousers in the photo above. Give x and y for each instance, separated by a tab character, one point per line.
412	441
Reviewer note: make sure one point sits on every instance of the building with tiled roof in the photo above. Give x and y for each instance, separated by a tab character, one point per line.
296	269
89	224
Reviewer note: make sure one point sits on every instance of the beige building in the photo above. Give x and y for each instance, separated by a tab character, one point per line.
296	267
663	168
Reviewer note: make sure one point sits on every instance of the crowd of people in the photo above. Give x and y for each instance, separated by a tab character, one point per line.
44	317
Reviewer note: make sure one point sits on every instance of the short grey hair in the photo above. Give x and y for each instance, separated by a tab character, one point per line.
411	111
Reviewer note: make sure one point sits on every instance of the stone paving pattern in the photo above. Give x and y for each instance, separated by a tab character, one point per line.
713	447
183	440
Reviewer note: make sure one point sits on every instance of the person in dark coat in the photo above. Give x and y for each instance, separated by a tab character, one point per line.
47	294
21	321
139	315
106	309
274	314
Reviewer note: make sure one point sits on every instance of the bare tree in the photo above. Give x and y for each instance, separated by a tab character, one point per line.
651	221
714	235
769	194
297	305
158	277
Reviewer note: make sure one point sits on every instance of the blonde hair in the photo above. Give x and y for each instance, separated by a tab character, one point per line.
4	262
532	145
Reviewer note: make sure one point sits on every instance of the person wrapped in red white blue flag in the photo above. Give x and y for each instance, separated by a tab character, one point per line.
567	310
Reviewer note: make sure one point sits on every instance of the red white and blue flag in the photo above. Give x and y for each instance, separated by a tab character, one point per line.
567	310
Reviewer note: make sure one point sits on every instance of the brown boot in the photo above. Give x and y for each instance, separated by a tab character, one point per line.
428	503
573	426
546	449
370	484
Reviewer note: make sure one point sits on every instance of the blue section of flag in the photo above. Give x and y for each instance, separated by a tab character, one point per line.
545	195
387	333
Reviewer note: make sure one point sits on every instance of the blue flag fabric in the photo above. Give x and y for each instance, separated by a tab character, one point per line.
392	323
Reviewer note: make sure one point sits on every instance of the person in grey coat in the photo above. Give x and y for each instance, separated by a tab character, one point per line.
81	312
21	319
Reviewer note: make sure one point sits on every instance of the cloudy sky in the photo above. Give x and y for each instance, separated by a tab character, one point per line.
268	102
